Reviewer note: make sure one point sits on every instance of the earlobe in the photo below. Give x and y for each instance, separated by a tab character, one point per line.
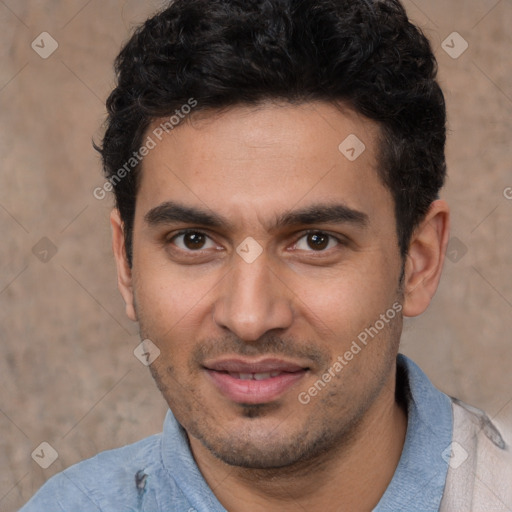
425	258
124	271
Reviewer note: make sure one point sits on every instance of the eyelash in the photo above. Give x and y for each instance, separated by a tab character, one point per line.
186	232
340	241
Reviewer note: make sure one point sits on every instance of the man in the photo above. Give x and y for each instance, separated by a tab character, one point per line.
276	166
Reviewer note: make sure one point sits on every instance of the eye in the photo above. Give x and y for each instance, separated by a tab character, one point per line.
317	241
192	241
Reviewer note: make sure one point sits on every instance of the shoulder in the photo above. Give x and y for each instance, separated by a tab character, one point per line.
480	465
112	480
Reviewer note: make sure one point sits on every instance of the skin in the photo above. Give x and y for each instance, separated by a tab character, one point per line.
300	301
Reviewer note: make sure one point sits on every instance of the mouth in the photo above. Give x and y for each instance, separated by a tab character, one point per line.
254	382
254	376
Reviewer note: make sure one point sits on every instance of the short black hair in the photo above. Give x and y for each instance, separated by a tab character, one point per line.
365	54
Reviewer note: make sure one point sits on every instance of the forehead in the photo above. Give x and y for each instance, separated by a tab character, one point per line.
262	161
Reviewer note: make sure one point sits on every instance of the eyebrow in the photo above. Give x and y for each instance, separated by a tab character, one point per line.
172	212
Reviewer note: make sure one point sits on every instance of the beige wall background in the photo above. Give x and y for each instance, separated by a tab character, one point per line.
68	375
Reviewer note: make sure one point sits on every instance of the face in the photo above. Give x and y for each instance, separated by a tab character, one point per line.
261	257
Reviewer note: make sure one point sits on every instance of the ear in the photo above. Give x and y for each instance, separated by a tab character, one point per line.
425	258
124	272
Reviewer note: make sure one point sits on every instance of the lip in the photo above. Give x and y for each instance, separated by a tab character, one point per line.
224	374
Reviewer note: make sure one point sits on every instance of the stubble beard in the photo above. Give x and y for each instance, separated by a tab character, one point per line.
315	441
312	445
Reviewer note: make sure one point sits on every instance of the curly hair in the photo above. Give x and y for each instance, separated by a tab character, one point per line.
222	53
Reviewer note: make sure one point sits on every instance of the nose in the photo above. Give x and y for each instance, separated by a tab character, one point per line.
253	300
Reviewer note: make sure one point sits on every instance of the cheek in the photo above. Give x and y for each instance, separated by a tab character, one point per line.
170	299
347	301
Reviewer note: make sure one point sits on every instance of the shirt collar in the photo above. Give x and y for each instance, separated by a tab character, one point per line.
181	466
419	479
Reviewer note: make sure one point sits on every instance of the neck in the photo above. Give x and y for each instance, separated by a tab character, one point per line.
352	476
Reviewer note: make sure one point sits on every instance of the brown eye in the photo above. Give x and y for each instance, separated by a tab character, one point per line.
318	241
194	240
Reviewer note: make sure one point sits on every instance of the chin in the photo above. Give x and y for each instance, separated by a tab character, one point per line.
265	446
252	456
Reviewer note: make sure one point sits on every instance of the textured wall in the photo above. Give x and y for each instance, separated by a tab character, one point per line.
67	372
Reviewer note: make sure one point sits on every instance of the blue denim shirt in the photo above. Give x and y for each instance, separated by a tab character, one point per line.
160	474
